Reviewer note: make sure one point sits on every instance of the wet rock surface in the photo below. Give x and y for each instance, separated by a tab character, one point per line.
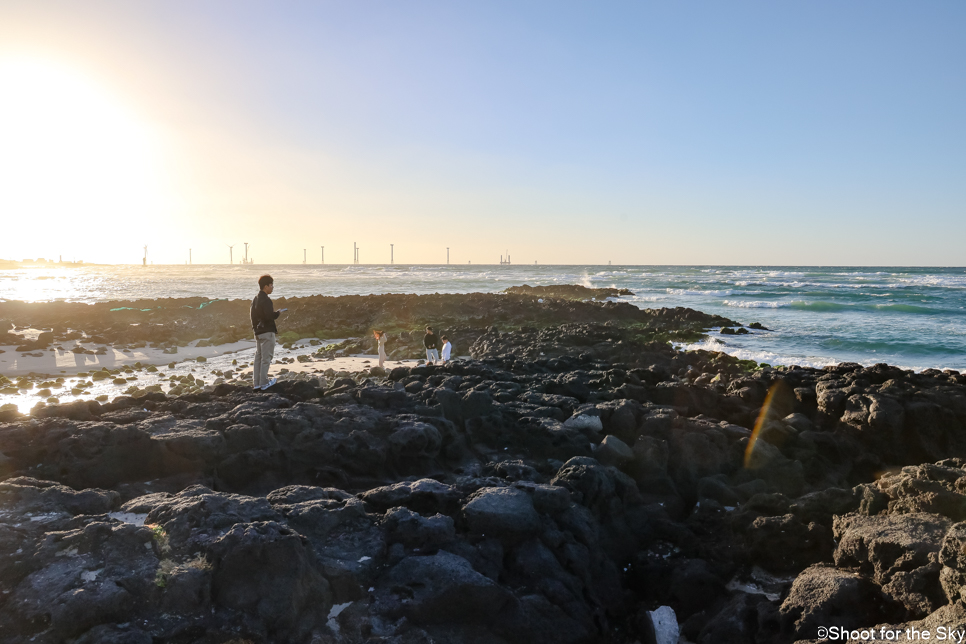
567	485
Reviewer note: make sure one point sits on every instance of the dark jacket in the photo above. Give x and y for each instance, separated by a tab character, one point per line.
430	341
263	314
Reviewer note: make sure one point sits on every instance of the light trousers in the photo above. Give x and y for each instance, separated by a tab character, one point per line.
432	355
264	352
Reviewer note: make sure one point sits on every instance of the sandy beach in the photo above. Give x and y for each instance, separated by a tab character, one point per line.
65	361
60	375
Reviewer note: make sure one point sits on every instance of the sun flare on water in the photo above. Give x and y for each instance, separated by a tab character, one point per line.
79	172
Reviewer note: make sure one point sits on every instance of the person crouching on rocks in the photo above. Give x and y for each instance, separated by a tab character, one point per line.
447	348
430	341
381	339
263	324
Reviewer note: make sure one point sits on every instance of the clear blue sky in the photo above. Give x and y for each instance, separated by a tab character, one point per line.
638	132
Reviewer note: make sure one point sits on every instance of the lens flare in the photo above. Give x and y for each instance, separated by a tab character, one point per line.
773	401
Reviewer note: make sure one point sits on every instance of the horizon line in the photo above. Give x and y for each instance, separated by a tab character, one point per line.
34	263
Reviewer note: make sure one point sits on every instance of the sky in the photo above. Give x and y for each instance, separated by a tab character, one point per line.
818	133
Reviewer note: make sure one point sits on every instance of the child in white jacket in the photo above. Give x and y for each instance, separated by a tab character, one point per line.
447	348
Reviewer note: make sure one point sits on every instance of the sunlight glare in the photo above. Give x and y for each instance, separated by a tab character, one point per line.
74	162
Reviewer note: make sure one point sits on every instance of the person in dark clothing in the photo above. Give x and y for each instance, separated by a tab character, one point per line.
263	324
431	342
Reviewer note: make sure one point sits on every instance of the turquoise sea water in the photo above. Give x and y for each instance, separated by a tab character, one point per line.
911	317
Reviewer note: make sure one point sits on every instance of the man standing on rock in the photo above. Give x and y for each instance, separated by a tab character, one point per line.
263	324
432	347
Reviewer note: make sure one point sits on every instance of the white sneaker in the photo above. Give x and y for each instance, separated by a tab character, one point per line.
270	382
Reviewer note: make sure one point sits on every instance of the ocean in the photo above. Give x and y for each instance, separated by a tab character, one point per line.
910	317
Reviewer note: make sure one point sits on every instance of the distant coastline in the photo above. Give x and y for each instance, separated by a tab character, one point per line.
43	263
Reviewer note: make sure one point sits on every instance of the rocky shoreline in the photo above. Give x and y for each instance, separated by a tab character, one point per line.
576	481
60	351
172	322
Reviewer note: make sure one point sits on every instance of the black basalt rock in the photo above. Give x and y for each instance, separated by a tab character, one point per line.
573	476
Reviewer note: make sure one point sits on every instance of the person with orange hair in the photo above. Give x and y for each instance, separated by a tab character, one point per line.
381	339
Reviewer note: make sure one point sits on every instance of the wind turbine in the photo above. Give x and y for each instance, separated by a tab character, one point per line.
246	251
231	253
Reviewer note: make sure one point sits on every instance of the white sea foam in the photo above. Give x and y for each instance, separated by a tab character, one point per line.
775	359
701	293
769	357
797	284
756	304
940	281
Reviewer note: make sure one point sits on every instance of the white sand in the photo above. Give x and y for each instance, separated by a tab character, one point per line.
65	364
64	361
